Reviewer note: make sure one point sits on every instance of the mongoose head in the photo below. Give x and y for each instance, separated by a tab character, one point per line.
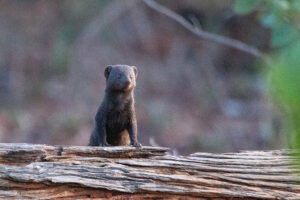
120	78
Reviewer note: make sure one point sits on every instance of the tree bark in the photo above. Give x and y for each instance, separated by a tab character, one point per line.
30	171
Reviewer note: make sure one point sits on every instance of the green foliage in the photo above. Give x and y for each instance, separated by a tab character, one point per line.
284	73
285	84
283	34
245	6
281	17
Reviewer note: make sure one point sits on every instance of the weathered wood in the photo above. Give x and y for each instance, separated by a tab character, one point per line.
50	172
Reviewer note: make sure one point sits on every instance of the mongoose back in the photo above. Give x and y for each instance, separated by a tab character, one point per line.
115	121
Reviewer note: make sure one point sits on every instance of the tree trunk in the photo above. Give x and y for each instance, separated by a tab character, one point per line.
51	172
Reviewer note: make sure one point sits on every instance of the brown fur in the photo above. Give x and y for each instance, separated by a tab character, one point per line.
115	122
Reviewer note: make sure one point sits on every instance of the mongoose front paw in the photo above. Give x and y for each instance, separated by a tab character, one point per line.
136	144
104	144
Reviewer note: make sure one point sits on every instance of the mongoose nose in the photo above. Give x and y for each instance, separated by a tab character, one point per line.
127	83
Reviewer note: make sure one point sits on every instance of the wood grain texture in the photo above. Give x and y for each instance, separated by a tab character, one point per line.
52	172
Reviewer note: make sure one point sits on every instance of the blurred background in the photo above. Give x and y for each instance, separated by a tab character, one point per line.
191	95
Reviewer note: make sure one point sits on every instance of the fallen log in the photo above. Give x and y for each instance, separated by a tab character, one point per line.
30	171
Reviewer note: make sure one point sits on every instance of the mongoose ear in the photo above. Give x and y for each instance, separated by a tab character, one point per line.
107	71
135	70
